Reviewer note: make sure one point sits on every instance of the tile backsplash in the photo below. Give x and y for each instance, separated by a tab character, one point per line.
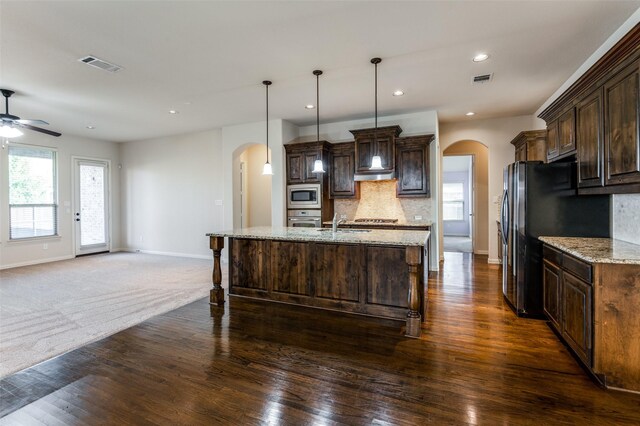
378	200
626	217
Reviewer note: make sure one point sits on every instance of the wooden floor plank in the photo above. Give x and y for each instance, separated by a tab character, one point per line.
255	362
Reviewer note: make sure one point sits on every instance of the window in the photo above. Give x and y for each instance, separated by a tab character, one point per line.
33	208
453	201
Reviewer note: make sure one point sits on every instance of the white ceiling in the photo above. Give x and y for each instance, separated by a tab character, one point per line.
207	59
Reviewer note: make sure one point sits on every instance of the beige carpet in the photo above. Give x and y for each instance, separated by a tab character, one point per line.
49	309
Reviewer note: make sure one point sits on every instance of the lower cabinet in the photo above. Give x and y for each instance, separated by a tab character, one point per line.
567	301
552	295
593	307
576	315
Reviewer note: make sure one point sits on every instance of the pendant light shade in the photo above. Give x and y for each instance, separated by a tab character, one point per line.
376	161
267	170
318	166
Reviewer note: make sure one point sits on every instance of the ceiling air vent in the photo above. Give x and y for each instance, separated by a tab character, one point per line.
480	79
99	63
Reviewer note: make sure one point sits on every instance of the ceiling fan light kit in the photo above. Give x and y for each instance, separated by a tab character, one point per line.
10	124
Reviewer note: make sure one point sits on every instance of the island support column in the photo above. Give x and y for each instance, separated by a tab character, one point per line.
216	295
414	320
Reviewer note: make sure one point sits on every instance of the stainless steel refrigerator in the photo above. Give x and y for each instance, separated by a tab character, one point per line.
541	200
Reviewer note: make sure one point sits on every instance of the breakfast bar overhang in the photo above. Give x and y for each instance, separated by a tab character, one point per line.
381	273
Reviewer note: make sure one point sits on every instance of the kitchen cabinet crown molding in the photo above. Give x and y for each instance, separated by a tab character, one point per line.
619	53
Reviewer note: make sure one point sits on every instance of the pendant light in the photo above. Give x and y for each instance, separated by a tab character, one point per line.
376	161
267	170
318	167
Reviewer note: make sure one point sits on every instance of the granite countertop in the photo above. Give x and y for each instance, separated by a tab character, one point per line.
374	236
597	250
373	225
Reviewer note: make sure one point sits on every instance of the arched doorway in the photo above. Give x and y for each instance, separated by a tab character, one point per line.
465	197
251	189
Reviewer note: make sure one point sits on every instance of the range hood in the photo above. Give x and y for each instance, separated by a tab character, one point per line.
383	175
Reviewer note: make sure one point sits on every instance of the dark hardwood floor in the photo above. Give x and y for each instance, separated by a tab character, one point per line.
266	363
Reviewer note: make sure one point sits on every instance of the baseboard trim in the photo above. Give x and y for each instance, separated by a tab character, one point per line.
494	261
37	262
482	252
169	253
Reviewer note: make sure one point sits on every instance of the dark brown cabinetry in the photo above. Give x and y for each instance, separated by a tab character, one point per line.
300	159
561	140
622	146
567	132
369	142
412	154
593	307
359	278
552	294
576	315
589	139
552	140
531	145
341	171
567	300
598	119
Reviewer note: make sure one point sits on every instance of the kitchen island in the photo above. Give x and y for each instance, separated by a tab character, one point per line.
372	272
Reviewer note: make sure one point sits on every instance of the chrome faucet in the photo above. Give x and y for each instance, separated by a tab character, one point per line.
336	222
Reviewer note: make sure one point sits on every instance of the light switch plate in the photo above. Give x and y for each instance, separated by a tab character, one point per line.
218	202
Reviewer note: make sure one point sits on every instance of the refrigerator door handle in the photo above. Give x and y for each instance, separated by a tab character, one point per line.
504	216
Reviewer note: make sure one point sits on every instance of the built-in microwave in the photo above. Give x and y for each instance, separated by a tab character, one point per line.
304	196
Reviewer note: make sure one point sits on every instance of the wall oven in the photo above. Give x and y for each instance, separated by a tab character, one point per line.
304	219
306	196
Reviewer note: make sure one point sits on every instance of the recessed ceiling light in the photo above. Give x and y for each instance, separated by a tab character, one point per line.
480	57
309	106
173	111
398	93
91	127
470	113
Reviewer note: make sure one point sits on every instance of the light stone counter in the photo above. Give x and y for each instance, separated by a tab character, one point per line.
373	236
418	225
597	250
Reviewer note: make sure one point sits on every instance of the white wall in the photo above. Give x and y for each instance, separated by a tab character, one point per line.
419	123
496	134
16	253
258	188
169	191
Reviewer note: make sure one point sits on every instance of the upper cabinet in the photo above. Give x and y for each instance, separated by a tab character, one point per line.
412	155
531	145
597	119
370	142
622	150
567	132
300	159
341	170
589	139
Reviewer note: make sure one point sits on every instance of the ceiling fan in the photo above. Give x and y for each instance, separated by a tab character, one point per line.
9	124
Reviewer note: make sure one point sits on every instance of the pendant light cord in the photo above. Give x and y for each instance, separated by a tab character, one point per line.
267	83
375	62
318	73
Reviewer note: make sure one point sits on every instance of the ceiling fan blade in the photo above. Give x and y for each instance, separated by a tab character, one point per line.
32	122
38	129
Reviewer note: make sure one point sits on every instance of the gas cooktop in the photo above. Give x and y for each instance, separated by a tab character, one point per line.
375	220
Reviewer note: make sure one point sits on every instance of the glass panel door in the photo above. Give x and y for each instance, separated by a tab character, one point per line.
91	206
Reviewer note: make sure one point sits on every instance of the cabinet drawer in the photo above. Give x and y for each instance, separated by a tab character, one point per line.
577	267
552	255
